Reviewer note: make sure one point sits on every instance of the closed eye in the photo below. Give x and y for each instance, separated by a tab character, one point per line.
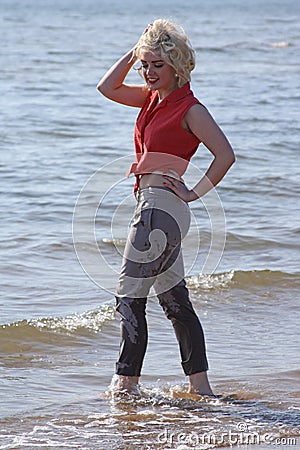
157	64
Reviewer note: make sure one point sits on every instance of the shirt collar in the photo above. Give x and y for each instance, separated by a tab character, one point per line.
178	94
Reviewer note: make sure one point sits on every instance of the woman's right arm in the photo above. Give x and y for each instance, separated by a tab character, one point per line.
113	87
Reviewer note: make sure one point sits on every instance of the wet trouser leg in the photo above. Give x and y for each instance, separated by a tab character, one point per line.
134	335
165	273
187	327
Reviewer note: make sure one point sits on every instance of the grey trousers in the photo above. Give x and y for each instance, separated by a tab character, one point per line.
153	257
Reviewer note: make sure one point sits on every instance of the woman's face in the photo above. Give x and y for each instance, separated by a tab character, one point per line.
157	73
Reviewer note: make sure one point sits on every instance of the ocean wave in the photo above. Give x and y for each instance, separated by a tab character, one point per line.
114	242
31	329
208	282
239	279
90	320
46	329
281	44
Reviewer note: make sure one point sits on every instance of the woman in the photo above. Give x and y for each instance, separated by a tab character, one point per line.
169	128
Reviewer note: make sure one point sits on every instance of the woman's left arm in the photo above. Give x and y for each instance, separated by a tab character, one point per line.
199	121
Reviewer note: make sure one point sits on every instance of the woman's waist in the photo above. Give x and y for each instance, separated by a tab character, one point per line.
155	179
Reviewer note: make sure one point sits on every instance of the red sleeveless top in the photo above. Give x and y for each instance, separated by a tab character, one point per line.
161	143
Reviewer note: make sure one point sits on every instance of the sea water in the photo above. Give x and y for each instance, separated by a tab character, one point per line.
59	333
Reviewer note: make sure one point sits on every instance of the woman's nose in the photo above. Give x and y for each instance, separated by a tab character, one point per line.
149	70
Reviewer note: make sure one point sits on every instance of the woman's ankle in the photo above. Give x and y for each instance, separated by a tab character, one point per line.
199	384
127	383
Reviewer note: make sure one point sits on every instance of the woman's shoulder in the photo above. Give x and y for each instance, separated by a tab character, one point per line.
197	111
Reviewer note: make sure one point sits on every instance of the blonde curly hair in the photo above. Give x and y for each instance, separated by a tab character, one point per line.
169	40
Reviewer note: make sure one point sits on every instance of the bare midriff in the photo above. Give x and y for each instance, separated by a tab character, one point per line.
154	179
151	179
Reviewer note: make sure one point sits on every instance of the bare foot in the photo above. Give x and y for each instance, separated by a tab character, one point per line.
129	385
199	384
